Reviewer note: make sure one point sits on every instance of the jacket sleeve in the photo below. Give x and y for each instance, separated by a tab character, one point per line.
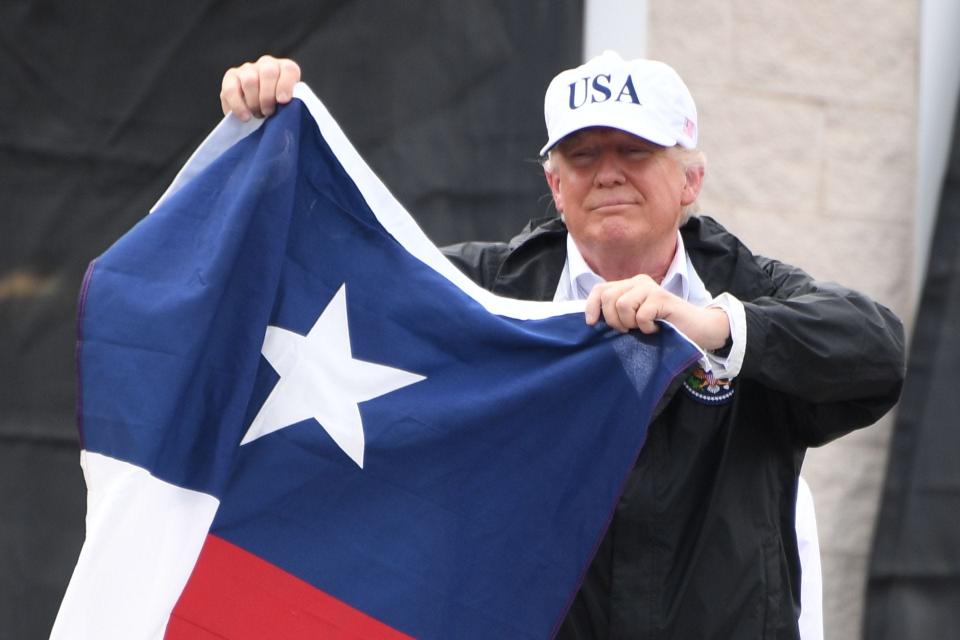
479	261
836	355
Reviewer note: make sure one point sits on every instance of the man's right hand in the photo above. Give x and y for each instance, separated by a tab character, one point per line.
256	88
638	302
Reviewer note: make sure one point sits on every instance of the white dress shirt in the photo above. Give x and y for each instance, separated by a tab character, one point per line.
682	280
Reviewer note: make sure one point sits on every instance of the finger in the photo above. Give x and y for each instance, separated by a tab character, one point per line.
231	96
289	76
610	302
646	315
602	301
225	88
250	87
268	73
626	307
592	311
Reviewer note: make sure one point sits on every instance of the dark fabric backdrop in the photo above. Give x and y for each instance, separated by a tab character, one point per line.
102	102
914	582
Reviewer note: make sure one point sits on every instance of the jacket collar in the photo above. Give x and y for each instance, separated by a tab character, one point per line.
722	261
532	269
537	254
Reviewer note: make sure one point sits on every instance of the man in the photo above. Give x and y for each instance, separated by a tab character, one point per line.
702	543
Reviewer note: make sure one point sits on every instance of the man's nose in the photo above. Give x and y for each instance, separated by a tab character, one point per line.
610	171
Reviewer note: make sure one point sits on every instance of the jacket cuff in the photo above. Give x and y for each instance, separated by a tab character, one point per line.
757	326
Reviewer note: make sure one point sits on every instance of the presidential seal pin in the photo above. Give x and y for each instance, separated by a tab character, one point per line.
707	389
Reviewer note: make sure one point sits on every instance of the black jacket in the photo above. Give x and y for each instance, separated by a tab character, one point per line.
702	543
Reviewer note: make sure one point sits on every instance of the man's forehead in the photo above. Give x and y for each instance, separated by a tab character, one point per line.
597	134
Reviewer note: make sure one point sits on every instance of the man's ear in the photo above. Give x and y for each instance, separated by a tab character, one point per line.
554	181
694	182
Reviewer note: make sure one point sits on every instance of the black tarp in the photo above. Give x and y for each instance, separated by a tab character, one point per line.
913	589
101	103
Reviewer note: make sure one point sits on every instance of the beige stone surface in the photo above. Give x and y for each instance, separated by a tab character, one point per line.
845	479
762	151
852	52
843	595
808	117
855	52
869	163
695	37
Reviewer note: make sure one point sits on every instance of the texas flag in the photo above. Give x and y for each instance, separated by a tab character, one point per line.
299	420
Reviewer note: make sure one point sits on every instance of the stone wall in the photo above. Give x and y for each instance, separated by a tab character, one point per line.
808	118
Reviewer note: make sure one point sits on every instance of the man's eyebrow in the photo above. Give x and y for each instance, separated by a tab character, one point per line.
573	138
643	142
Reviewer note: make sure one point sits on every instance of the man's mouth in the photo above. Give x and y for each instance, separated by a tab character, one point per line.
614	203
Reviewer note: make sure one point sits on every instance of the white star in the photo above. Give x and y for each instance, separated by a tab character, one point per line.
319	378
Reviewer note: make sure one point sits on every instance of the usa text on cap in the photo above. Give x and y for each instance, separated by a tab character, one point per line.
644	97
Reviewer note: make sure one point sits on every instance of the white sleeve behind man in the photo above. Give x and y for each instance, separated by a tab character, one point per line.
811	585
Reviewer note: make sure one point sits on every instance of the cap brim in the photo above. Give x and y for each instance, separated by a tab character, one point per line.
646	127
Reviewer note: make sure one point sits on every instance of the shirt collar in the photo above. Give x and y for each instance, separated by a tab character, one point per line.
578	278
677	279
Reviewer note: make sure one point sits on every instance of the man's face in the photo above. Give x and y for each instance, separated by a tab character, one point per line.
620	194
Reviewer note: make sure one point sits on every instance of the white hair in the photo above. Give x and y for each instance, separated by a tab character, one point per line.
689	159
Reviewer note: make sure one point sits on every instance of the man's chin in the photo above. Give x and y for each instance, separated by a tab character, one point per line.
612	236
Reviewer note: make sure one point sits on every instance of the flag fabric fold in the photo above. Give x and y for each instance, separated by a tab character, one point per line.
299	420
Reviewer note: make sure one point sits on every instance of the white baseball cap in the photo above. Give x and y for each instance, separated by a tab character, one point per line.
644	97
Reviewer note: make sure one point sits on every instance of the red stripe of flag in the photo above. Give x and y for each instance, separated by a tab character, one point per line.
236	595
